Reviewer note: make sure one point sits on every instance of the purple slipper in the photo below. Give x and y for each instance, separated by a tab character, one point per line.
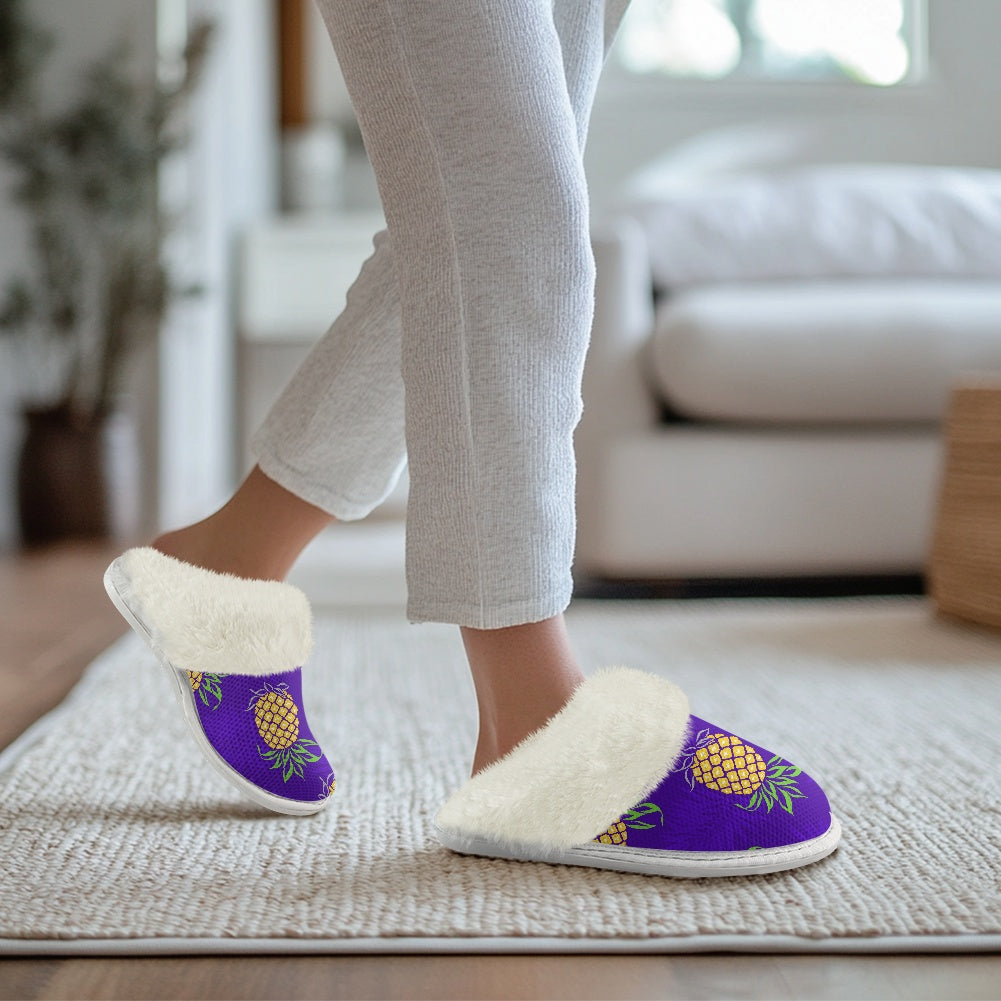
233	649
625	778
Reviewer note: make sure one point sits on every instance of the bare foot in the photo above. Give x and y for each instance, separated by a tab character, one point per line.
259	533
205	544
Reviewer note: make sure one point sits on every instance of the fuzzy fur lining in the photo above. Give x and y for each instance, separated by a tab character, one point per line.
213	622
598	757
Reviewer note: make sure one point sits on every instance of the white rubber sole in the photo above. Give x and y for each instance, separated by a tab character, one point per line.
654	862
115	578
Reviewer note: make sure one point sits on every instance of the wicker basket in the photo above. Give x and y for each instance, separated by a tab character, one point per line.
964	574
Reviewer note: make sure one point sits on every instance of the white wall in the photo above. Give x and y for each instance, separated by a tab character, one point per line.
227	179
950	118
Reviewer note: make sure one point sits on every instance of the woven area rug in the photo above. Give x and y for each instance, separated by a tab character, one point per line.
114	841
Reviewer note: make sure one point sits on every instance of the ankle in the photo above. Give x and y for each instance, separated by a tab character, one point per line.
206	544
523	676
258	533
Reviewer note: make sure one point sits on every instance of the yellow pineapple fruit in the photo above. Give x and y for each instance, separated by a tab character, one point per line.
206	685
618	833
731	766
276	717
725	764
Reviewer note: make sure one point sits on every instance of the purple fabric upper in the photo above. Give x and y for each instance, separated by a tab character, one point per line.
724	796
288	762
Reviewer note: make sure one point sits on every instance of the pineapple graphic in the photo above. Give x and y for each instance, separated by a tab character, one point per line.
731	766
618	833
207	686
276	717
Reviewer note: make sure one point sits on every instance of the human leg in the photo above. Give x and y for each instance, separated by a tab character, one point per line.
476	141
333	444
469	122
334	440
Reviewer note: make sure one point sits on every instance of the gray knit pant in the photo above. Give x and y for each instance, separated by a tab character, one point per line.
462	343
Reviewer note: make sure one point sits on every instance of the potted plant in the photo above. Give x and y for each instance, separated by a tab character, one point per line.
86	176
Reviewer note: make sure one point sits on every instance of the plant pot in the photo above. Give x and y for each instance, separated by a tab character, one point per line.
61	479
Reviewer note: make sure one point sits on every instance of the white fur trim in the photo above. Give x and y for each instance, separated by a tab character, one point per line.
213	622
597	758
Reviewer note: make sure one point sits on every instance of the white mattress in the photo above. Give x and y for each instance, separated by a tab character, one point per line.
824	351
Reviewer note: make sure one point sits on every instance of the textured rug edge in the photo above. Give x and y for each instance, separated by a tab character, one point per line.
680	945
11	754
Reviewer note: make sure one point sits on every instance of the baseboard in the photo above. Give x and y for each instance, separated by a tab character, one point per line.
750	587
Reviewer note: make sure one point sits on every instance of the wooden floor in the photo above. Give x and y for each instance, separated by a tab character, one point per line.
54	618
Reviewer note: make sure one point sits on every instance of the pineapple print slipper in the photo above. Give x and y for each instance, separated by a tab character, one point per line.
233	650
625	778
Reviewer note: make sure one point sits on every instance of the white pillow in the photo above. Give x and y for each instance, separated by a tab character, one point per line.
854	220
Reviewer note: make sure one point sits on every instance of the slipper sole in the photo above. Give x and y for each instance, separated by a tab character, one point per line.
655	861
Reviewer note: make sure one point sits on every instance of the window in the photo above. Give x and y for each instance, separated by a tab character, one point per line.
872	42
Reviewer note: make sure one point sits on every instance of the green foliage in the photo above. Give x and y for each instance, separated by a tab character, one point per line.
23	46
86	177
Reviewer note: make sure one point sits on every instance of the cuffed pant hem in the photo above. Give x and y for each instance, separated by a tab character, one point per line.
340	507
516	614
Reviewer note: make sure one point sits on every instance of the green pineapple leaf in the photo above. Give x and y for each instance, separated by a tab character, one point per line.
647	809
768	795
787	805
302	754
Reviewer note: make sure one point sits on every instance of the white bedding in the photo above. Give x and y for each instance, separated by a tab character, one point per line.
854	220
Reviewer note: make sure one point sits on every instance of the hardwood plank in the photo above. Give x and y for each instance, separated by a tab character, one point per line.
912	978
54	619
586	978
26	978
